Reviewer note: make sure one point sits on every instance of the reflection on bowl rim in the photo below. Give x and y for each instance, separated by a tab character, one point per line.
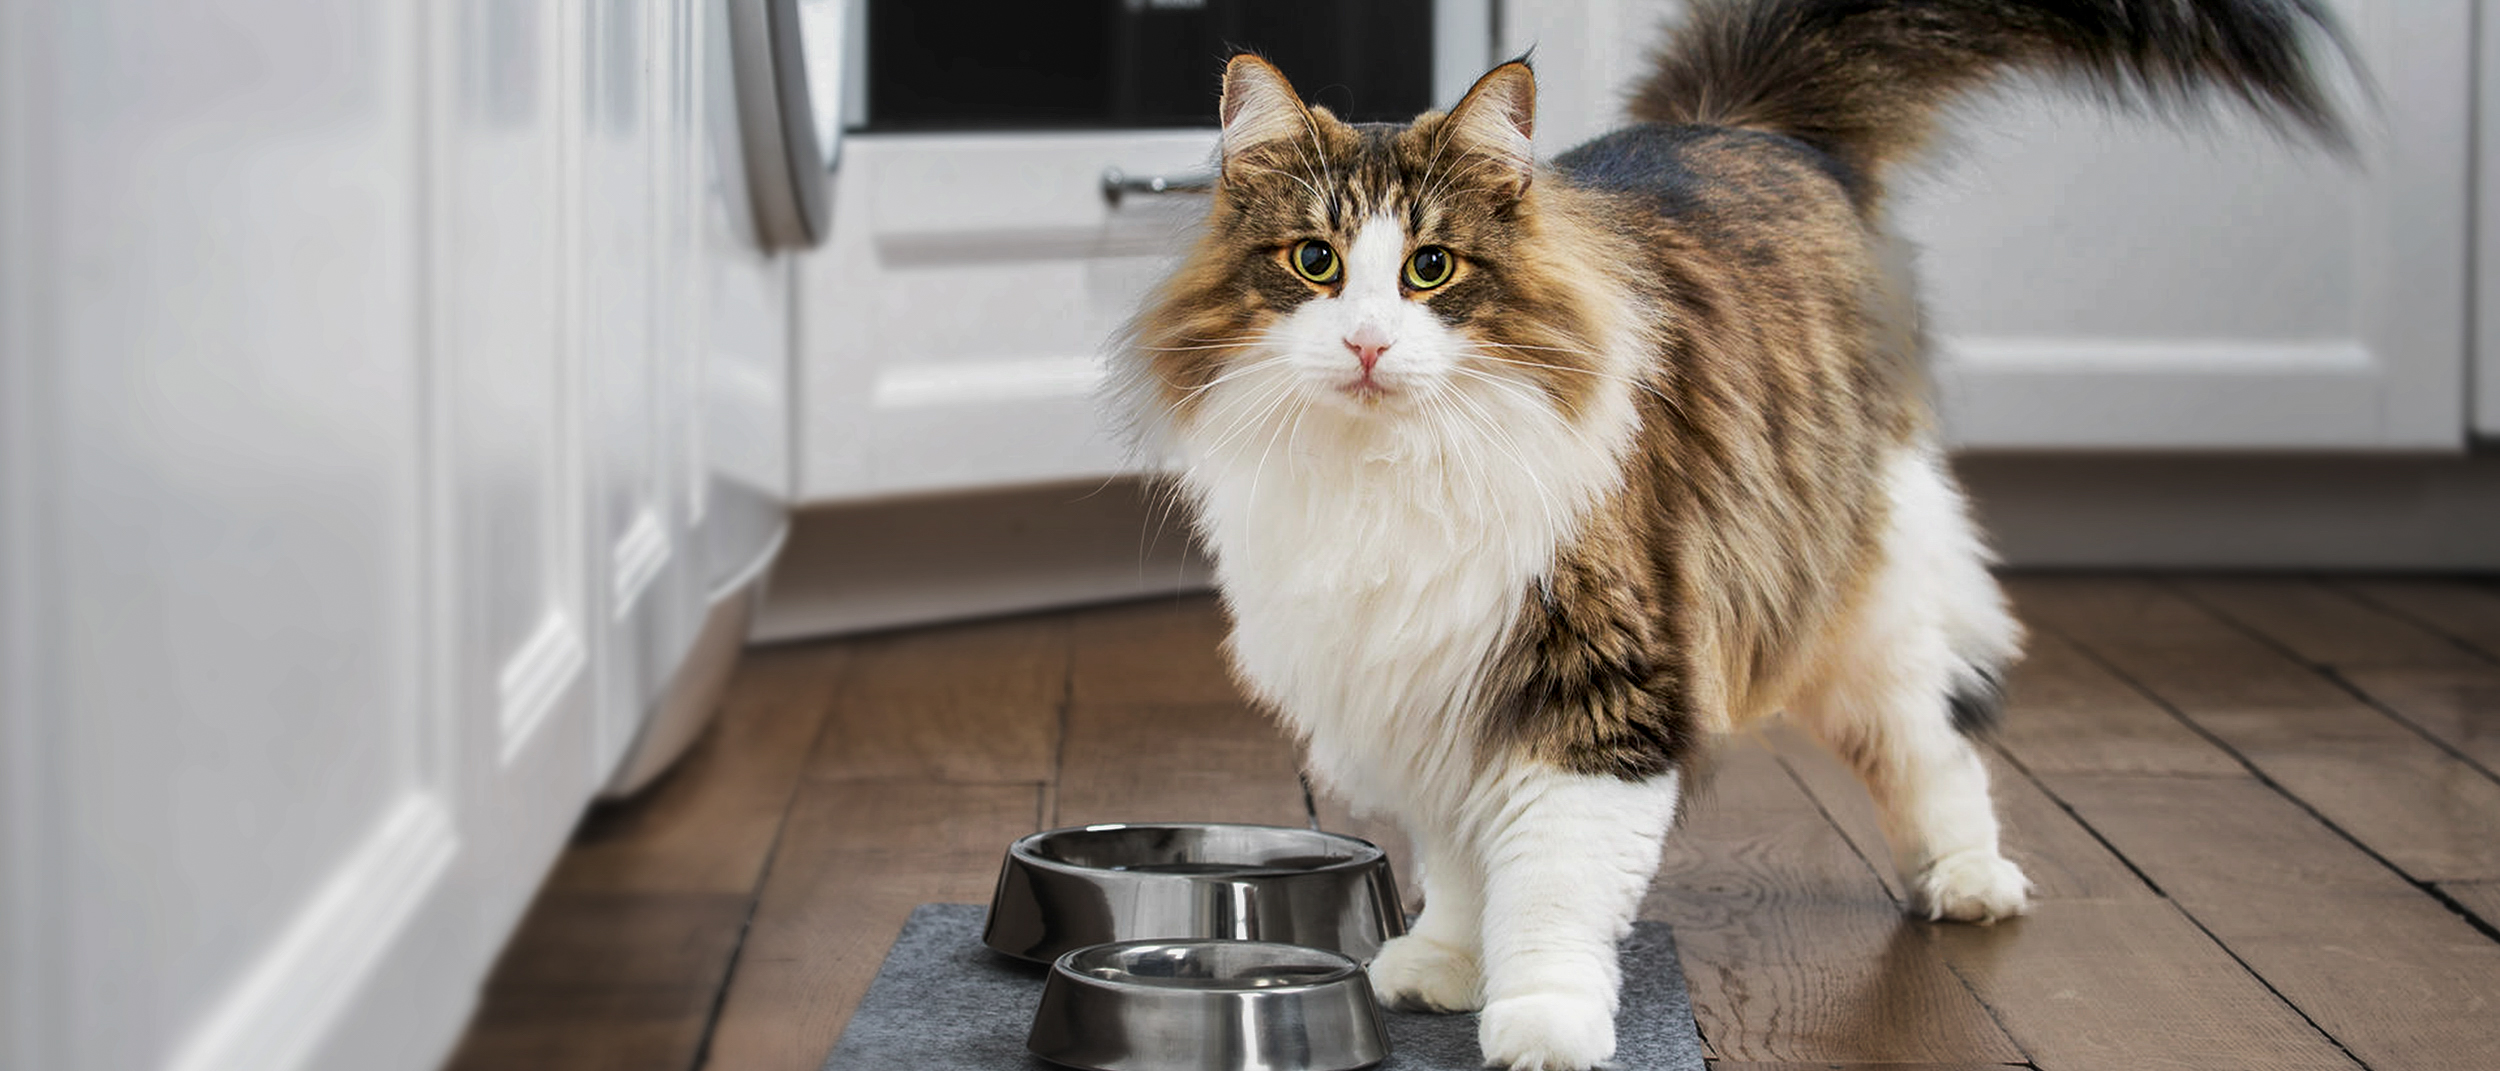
1365	854
1345	968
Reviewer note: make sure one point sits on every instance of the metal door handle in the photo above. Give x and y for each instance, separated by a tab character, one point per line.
1117	184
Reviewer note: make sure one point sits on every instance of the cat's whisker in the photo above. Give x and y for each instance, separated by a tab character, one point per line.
1272	436
1267	403
1500	437
1639	383
1235	374
1536	402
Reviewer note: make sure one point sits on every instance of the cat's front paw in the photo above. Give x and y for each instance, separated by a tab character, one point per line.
1420	974
1973	886
1547	1032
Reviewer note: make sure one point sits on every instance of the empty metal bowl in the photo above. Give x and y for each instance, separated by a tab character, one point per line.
1208	1006
1069	888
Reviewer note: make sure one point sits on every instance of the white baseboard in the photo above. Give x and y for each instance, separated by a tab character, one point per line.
882	565
293	997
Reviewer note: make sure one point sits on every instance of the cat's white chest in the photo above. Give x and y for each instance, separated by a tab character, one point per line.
1367	601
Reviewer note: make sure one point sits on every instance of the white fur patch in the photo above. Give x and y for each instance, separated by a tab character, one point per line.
1374	551
1930	624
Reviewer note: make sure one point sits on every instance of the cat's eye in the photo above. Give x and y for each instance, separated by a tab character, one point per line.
1430	267
1313	260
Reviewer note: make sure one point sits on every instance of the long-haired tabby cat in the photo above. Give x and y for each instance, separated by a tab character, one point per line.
1523	480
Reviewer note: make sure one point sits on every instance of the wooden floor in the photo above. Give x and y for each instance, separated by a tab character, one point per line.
2262	814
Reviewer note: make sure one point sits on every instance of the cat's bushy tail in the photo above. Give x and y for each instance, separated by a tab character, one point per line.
1864	80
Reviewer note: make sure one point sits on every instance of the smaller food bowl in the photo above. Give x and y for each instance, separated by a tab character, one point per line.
1069	888
1208	1006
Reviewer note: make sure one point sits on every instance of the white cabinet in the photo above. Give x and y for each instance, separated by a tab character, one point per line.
2101	282
2094	282
374	381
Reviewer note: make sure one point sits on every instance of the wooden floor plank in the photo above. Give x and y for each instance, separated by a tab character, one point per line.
2381	966
2427	679
1152	651
1791	947
2128	985
973	704
1194	762
936	748
1752	1065
2065	711
2459	706
1823	1065
2465	610
601	981
2482	898
2187	1002
2060	856
856	857
708	825
2428	812
619	960
2324	625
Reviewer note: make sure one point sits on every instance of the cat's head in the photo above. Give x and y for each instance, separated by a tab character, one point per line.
1379	274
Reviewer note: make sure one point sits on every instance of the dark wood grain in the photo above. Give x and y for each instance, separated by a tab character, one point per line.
620	960
1752	1065
2065	711
708	824
1155	651
595	981
2431	681
972	704
2465	610
2481	898
2459	706
2062	858
2325	625
846	782
856	858
1791	946
1193	762
2128	984
2381	966
2429	812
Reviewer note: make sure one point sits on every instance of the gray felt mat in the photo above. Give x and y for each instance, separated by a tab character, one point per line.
944	1002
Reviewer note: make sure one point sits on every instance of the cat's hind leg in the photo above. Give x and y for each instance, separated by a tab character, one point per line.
1904	685
1436	966
1566	860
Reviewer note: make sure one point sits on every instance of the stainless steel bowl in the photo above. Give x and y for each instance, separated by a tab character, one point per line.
1069	888
1208	1006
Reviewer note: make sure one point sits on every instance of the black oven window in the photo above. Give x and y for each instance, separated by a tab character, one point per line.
1097	64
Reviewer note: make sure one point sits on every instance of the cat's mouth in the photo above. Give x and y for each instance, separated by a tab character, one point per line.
1365	390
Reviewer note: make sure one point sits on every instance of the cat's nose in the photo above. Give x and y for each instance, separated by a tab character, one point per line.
1368	343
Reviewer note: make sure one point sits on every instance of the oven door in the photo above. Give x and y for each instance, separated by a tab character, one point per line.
953	327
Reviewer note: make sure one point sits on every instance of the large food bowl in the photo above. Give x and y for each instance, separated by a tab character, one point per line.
1208	1006
1068	888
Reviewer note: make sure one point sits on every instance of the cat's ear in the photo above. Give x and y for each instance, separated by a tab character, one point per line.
1496	118
1259	107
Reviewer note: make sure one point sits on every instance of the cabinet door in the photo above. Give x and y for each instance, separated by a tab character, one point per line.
521	556
2105	282
228	805
954	325
637	210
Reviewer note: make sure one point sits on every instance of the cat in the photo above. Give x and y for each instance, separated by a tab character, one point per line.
1524	481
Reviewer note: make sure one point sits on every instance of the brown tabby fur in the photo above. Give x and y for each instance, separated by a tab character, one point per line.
1769	391
1775	360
